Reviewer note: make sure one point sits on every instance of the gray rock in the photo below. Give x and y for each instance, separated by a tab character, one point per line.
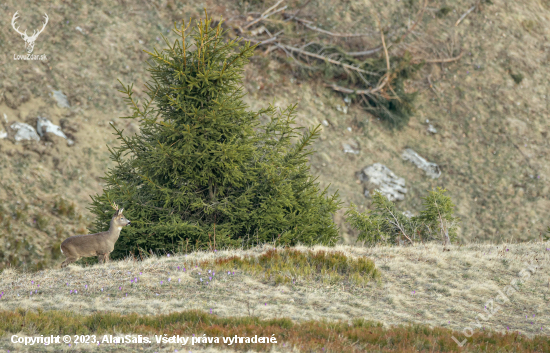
381	178
432	129
44	126
61	99
24	132
350	147
432	170
3	134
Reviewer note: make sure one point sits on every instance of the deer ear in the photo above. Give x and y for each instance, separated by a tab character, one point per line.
120	211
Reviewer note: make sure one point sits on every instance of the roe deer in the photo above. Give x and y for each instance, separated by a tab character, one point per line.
98	244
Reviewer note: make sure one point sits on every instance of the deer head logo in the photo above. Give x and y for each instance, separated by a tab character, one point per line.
29	40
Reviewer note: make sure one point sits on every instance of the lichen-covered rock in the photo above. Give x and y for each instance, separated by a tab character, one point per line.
61	99
381	178
24	132
44	126
432	170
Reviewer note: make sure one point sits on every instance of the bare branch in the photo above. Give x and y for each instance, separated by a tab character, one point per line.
398	225
437	61
271	8
266	14
365	52
320	57
261	42
298	12
320	30
467	13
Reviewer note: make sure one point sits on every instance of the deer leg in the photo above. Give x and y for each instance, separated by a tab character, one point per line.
100	258
107	257
68	261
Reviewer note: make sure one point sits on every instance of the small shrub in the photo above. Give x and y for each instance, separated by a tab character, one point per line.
437	217
385	224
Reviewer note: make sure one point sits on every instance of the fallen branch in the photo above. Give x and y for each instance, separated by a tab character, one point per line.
324	58
433	87
261	42
349	90
381	85
271	8
467	13
266	14
365	52
387	75
320	30
436	61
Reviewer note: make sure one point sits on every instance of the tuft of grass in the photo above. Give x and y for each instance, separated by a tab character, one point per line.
64	207
358	336
529	25
288	265
42	222
444	11
517	77
20	214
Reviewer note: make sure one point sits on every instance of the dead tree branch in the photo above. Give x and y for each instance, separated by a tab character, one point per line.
438	61
467	13
324	58
309	25
261	42
266	14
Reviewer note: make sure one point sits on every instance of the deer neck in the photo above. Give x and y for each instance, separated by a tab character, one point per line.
114	230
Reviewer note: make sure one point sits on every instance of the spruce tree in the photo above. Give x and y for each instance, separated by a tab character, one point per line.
203	173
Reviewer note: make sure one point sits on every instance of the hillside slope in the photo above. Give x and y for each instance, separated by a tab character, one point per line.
490	109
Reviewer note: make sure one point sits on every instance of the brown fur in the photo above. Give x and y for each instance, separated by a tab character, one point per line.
98	244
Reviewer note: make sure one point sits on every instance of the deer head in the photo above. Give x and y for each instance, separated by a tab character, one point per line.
118	220
29	41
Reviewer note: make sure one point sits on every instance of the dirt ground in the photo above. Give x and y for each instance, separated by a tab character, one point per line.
491	141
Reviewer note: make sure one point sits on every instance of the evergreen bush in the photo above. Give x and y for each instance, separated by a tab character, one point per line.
386	225
203	173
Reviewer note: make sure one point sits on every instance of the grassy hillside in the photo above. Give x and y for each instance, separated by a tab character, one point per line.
422	286
489	108
483	86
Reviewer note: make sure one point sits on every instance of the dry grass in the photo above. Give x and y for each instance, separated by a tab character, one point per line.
491	144
421	285
289	265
